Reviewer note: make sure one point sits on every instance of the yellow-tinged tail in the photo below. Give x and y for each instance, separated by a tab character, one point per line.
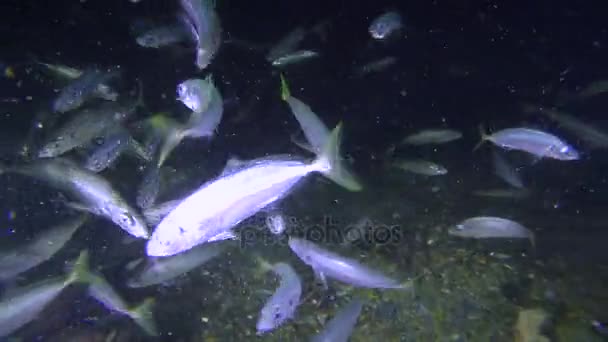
484	136
143	315
285	94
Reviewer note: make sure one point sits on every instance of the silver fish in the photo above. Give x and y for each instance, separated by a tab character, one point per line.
40	249
197	94
143	316
506	172
485	227
232	198
294	57
94	193
282	305
159	270
81	89
162	36
385	25
535	142
23	305
204	25
341	325
432	136
287	44
329	264
85	126
422	167
375	66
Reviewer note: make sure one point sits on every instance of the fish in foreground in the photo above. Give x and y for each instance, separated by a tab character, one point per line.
41	248
158	37
487	227
342	324
328	264
294	57
93	192
160	270
385	25
90	123
506	171
422	167
204	26
142	314
535	142
234	197
81	89
282	305
23	305
432	136
197	94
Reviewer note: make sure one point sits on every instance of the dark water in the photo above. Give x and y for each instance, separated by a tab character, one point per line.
459	64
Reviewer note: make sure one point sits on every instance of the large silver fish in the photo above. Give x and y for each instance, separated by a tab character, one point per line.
23	305
535	142
204	24
234	197
41	248
282	305
93	192
329	264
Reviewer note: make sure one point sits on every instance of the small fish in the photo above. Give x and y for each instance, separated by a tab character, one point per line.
506	172
503	193
287	44
385	25
422	167
485	227
162	36
275	223
196	94
329	264
375	66
341	325
67	73
232	198
160	270
282	305
23	305
535	142
294	57
41	248
143	315
148	190
81	89
204	26
94	193
432	136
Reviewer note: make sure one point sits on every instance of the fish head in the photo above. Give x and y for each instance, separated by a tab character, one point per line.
458	230
438	169
565	152
271	316
203	58
128	220
191	95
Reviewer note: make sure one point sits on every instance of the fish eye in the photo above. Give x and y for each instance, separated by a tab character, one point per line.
564	149
459	227
127	219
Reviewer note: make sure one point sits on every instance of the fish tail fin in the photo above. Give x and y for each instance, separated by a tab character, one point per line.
484	136
332	165
80	270
172	134
143	315
285	94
